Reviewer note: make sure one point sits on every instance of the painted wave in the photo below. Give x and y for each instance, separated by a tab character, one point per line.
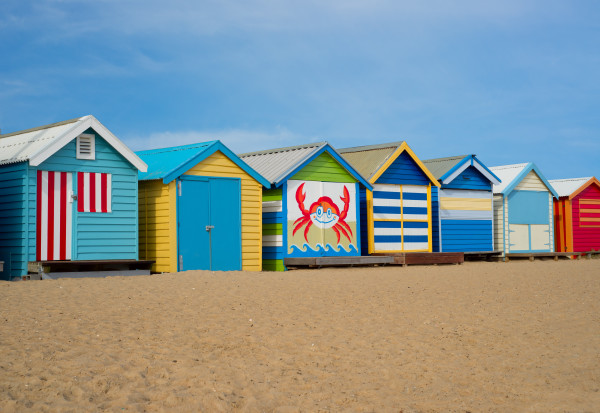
327	250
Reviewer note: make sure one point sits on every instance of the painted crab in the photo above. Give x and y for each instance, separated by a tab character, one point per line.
324	213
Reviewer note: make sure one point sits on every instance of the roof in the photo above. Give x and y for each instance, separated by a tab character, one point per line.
447	169
511	175
373	160
38	144
368	159
276	165
571	186
170	163
439	166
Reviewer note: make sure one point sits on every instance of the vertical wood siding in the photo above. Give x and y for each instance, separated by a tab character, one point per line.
158	223
13	220
96	236
219	165
586	235
404	170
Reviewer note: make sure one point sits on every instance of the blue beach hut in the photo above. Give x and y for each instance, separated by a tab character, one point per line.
396	216
523	210
68	192
463	204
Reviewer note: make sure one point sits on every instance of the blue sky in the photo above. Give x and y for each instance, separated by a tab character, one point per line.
511	81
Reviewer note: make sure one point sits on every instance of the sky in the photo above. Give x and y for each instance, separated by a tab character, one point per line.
511	81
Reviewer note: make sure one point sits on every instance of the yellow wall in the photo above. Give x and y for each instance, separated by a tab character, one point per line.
158	238
158	224
219	165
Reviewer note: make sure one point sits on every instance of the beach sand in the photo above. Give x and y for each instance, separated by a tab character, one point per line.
517	336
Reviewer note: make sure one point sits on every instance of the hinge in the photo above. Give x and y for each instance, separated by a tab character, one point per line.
179	187
181	263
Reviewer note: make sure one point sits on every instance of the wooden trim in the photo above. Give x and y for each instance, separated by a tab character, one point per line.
173	250
568	225
591	181
429	218
370	222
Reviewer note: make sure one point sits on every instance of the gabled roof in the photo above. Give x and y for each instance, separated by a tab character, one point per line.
38	144
277	165
511	176
170	163
447	169
373	160
572	187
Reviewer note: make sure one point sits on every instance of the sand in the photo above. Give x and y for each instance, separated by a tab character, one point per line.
505	337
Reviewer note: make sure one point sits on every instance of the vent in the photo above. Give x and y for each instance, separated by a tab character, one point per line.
86	147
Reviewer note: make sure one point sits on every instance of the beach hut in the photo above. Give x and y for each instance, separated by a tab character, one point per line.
396	216
68	192
577	214
200	209
463	204
311	206
523	217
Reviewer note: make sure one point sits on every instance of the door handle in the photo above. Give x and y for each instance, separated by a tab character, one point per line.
209	227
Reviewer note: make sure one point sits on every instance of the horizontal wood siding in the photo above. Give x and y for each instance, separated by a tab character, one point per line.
531	182
13	220
324	168
157	218
99	236
435	219
272	227
470	178
220	165
586	235
466	235
498	223
404	170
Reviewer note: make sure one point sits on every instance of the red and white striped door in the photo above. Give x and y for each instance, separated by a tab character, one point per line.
54	215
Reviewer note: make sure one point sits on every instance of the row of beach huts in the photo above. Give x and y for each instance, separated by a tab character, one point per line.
75	198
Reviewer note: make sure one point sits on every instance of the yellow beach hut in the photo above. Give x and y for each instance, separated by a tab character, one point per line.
200	208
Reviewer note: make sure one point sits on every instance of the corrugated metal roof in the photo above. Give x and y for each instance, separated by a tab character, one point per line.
506	173
369	158
565	187
276	164
440	166
21	146
164	160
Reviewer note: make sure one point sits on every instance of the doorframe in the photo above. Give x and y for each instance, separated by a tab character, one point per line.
178	212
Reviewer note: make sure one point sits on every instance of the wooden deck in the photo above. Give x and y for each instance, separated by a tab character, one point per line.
88	268
533	255
336	261
482	255
425	258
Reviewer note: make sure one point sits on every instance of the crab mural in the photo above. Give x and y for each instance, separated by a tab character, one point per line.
323	213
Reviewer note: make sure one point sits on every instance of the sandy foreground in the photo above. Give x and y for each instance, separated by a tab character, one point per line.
516	336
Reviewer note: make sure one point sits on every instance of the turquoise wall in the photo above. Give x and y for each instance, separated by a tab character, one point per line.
96	236
13	219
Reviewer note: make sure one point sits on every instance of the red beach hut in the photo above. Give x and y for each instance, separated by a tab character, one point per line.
577	214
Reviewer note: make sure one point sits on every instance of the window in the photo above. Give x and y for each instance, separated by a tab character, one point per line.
86	147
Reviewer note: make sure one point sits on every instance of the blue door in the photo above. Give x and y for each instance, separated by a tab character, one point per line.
209	224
